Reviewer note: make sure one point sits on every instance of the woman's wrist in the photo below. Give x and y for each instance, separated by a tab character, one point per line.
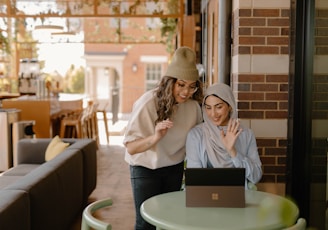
233	152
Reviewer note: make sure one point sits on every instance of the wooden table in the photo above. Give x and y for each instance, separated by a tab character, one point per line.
168	211
41	110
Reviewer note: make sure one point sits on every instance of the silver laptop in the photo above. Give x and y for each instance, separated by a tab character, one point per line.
215	187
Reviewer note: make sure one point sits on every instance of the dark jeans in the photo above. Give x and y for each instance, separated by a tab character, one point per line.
150	182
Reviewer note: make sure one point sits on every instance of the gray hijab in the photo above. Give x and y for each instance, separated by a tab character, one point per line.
218	156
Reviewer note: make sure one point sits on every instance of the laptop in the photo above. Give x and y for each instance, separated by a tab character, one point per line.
215	187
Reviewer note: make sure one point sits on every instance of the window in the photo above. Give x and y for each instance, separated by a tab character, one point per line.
153	74
122	22
153	23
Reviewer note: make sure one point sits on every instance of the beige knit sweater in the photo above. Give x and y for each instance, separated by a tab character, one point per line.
170	150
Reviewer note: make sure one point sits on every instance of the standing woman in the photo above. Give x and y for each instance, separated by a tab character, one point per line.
220	141
156	133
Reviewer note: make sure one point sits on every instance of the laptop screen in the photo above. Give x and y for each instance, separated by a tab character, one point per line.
215	187
215	176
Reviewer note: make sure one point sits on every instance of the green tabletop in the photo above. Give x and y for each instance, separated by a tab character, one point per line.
263	211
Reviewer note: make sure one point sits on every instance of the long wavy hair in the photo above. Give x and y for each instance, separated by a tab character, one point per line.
166	101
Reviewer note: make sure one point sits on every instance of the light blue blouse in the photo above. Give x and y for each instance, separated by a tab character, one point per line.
247	153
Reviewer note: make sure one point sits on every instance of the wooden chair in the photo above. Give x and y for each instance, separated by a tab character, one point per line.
71	126
56	121
299	225
102	110
91	121
89	221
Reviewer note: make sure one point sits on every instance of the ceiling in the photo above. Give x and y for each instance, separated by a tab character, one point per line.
93	21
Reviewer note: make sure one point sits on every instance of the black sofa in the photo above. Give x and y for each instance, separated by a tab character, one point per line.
38	194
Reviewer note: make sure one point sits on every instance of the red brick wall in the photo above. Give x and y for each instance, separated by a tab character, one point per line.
263	95
260	31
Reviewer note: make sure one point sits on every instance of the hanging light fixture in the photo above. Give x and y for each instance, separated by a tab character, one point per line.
64	34
49	28
43	31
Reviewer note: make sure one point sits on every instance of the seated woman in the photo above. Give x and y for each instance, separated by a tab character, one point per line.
220	141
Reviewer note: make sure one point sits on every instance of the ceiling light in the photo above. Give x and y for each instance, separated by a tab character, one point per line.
49	28
42	33
65	33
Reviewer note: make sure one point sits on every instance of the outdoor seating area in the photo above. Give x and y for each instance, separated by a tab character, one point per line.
109	71
100	192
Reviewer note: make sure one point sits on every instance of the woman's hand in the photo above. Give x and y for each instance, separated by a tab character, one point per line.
162	127
229	138
143	144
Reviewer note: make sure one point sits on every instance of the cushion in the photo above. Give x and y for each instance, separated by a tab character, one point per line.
5	181
55	147
20	170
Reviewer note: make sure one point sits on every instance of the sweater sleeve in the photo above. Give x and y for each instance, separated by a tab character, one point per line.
142	121
194	148
248	158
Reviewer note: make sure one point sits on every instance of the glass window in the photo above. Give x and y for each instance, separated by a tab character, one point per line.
153	23
153	74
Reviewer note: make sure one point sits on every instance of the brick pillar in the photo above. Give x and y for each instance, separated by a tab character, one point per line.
260	66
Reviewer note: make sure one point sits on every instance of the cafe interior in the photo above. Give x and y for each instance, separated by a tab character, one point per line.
272	53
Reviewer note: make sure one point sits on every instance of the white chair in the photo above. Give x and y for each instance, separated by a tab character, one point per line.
89	221
299	225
